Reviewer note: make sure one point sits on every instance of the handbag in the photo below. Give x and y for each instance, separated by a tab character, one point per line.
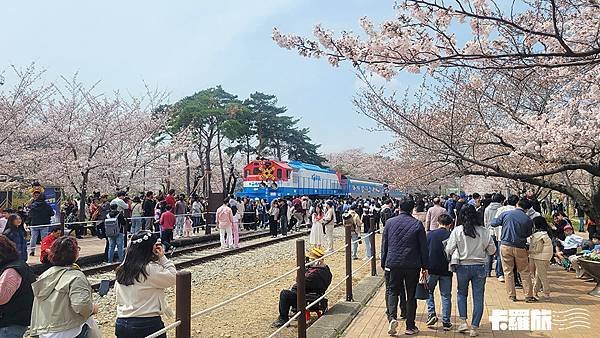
422	291
454	260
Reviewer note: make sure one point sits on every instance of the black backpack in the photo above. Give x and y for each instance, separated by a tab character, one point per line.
111	225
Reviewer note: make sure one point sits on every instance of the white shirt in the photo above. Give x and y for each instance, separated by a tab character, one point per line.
121	205
74	332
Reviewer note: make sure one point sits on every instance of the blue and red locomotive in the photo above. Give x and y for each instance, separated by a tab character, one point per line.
270	179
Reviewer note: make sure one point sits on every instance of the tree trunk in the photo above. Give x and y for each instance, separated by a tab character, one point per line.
221	162
278	150
207	169
82	194
188	173
247	149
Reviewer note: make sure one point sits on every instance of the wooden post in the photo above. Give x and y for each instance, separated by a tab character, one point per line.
348	241
183	303
301	288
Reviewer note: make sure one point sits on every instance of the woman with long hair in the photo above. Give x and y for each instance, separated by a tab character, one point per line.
63	305
140	286
317	237
16	296
15	231
470	243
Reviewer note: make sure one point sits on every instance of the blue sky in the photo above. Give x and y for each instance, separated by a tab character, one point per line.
186	46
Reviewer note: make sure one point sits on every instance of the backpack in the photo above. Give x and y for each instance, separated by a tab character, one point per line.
536	247
111	225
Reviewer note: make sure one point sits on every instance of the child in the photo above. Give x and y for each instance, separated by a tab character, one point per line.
540	252
47	244
569	246
187	227
167	224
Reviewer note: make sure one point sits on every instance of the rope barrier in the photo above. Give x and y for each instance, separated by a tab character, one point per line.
294	317
167	328
363	265
327	292
361	238
214	307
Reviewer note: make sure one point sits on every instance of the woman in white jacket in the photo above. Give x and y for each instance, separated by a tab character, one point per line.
140	286
540	253
471	244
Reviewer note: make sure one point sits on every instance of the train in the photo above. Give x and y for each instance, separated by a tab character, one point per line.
271	179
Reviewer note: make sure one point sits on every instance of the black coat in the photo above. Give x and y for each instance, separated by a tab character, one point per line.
40	213
318	279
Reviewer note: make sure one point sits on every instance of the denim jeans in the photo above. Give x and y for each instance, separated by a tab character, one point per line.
136	225
179	225
135	327
35	234
149	224
581	223
118	242
13	331
446	293
283	221
499	271
367	241
354	245
476	275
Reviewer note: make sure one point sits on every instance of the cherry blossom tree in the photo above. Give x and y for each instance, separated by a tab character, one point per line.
93	140
22	101
518	99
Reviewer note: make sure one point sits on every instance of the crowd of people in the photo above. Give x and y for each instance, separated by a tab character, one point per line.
433	238
425	241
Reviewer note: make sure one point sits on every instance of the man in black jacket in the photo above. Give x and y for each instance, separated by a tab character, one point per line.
403	255
318	278
40	215
148	207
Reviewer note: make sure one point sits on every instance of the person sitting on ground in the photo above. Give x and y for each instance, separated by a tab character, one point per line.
595	243
318	278
140	287
47	244
63	305
568	247
16	296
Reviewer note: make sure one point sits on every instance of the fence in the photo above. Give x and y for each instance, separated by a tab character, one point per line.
184	289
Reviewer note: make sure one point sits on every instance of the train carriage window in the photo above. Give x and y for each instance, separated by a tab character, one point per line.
279	173
255	171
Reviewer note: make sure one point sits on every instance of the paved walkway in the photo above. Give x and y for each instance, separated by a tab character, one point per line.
568	293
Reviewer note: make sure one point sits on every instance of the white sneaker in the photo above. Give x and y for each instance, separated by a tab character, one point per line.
392	327
473	333
463	327
501	279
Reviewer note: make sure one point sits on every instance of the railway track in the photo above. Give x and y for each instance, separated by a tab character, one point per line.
188	256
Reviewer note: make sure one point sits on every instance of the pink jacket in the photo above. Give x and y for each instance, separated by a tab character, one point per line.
224	217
